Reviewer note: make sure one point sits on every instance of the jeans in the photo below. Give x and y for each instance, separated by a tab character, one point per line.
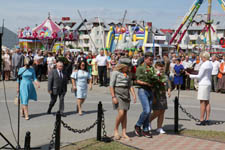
146	98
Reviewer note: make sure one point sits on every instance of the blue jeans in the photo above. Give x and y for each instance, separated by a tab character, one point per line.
146	98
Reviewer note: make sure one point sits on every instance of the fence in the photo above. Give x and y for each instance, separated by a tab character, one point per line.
178	106
100	122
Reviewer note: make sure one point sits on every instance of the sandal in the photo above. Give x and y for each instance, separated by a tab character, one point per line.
80	113
126	138
116	137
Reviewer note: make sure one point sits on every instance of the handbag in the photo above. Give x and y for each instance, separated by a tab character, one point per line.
16	100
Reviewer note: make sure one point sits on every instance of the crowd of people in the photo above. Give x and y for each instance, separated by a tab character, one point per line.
121	71
175	64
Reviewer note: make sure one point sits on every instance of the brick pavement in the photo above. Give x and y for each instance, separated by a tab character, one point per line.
172	142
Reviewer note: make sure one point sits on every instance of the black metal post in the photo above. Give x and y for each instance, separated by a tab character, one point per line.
176	115
18	114
99	125
27	141
8	142
58	131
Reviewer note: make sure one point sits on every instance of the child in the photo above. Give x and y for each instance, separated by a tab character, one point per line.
160	105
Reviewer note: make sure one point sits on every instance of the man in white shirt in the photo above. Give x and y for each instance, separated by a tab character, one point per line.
101	61
187	64
215	71
38	61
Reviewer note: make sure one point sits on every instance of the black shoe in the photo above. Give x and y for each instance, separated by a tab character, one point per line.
207	122
100	85
137	130
202	123
147	134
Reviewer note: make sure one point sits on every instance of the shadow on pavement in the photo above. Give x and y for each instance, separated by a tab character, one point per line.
37	115
66	113
216	122
170	127
171	118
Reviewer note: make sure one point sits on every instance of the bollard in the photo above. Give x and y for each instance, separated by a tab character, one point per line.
99	118
58	131
176	115
27	141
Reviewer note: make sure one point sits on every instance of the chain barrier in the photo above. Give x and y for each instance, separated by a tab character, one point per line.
103	126
189	115
80	131
105	137
52	142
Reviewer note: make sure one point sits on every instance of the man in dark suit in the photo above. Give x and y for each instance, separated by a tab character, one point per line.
57	86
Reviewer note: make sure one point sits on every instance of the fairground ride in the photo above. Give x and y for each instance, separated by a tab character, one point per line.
189	17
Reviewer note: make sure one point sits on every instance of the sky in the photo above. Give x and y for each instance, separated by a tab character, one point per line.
162	13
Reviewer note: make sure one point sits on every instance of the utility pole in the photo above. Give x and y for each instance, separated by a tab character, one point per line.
209	22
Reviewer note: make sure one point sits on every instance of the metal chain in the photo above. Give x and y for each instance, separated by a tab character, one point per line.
105	138
80	131
52	142
187	113
195	119
103	125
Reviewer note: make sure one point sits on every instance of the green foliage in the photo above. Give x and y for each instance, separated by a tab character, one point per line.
63	59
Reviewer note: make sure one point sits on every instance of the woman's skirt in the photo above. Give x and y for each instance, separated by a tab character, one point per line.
123	97
221	84
27	92
204	92
81	92
160	102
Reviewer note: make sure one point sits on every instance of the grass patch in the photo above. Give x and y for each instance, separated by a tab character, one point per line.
92	144
207	135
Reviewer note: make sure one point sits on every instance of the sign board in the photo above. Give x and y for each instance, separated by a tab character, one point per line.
160	37
65	18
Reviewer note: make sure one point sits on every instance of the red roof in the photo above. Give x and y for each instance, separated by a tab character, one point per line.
49	24
166	31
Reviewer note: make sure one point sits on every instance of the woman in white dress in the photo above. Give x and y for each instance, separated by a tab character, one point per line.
7	64
80	80
204	78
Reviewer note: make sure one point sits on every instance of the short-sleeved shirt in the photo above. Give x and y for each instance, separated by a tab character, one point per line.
38	59
101	60
81	78
118	79
139	74
216	66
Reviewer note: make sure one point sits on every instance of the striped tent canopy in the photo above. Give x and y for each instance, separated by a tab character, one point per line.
48	29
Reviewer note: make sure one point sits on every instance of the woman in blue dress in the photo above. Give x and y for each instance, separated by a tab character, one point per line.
26	89
178	70
80	80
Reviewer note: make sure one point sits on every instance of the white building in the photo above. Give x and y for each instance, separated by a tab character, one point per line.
92	36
